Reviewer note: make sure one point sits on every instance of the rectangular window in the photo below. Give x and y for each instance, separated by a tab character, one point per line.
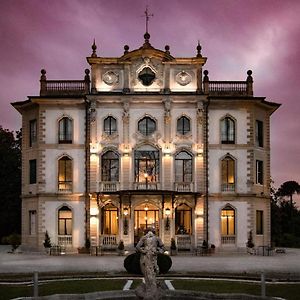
259	222
259	133
32	132
259	172
32	222
32	171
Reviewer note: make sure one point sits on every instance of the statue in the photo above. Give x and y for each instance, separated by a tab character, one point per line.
149	246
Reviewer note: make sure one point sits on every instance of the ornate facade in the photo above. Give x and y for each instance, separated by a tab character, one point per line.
146	141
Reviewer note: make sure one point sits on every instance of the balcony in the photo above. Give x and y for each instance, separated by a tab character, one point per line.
228	240
228	187
64	87
65	186
183	186
64	240
146	185
109	186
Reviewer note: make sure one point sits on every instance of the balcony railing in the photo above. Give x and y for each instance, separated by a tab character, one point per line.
64	240
228	239
64	87
228	187
65	186
146	185
184	242
183	187
108	241
228	88
109	186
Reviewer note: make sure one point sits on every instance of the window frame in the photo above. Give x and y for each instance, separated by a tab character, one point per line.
146	131
32	215
65	231
109	130
259	172
228	208
65	130
32	171
184	167
259	222
181	125
180	215
228	137
110	161
32	132
226	185
68	182
259	133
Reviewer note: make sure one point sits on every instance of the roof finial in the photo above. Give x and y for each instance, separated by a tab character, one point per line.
199	49
94	47
147	17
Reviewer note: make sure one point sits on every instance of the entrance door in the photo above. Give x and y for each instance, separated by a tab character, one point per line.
145	217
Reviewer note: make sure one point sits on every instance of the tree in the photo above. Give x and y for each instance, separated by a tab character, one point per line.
289	188
10	182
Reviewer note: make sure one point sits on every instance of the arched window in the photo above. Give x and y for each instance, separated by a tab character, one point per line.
110	125
110	166
227	131
146	161
183	219
65	174
228	221
65	221
183	125
146	126
109	219
65	131
228	174
183	167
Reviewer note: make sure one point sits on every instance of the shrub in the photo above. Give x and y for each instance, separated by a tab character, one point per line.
47	241
173	244
87	243
14	240
132	263
250	243
121	245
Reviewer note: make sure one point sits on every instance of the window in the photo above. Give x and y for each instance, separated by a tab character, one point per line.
183	219
32	222
65	221
109	220
228	174
259	172
146	126
110	125
32	132
228	221
146	76
183	167
146	164
259	133
32	171
65	174
65	131
259	222
110	166
183	125
227	131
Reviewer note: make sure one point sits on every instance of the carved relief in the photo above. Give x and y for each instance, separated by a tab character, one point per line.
110	78
153	138
93	112
183	78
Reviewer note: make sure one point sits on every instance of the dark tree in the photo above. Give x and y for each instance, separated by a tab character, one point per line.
289	188
10	182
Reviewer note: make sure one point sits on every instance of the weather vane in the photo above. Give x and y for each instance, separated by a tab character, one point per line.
147	17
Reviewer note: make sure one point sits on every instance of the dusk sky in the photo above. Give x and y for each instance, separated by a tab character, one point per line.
263	36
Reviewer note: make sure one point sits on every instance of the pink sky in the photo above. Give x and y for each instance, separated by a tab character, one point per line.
236	35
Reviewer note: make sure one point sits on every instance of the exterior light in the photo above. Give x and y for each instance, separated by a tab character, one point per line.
168	212
125	211
146	207
125	224
94	211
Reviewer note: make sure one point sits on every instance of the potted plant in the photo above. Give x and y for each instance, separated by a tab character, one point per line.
250	244
121	248
173	247
47	242
212	248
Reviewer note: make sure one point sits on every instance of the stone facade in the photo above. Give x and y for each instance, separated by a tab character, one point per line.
148	141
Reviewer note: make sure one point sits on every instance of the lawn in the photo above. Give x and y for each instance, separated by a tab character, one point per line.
287	290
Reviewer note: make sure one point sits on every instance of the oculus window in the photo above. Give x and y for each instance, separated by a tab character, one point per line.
146	76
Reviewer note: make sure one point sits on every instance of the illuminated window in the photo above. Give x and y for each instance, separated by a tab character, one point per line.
32	222
65	131
183	167
110	166
228	221
183	125
227	131
183	219
259	222
259	133
110	125
259	172
65	171
65	221
32	132
146	162
146	126
228	174
32	171
109	220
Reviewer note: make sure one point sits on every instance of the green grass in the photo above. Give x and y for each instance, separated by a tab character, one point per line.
286	290
62	287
